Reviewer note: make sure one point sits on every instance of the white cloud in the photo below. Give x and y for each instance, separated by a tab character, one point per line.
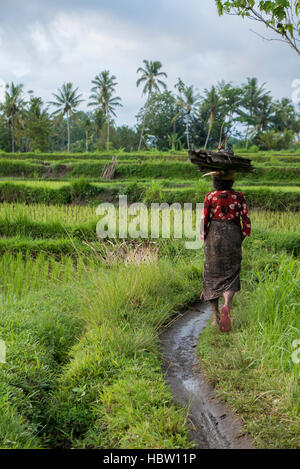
56	44
2	89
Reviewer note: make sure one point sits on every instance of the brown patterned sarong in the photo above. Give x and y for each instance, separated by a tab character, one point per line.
223	255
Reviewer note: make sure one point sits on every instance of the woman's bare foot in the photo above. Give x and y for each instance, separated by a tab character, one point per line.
215	311
216	319
225	322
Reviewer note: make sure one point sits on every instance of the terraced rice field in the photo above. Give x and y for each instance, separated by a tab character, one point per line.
81	317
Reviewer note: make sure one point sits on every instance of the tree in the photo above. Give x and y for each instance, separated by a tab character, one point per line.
102	95
273	140
5	143
284	116
98	122
264	114
211	105
124	138
161	109
37	125
280	16
152	82
230	100
188	101
87	129
13	109
67	101
254	97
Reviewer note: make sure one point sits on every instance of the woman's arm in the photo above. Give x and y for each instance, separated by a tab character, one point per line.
246	222
205	218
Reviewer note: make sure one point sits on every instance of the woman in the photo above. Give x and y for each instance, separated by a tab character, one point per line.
224	209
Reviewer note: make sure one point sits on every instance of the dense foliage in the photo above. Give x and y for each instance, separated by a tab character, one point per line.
279	16
170	119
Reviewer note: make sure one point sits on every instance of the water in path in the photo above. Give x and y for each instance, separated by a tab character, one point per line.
212	424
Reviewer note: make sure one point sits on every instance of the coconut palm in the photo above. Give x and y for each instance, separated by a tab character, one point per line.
264	114
151	80
252	101
13	108
230	101
210	105
188	101
102	96
87	129
98	123
67	101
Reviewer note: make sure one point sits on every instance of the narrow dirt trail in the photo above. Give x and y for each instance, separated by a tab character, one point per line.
212	424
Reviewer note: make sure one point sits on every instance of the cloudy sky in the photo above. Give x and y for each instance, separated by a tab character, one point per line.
44	43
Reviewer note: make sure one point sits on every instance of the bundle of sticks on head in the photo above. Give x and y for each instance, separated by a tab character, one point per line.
221	162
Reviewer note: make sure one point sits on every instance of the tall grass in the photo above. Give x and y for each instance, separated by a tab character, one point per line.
132	168
21	274
252	367
280	222
103	387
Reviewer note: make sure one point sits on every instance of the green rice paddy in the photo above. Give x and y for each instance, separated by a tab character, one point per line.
81	317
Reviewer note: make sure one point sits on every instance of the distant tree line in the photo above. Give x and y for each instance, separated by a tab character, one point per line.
176	119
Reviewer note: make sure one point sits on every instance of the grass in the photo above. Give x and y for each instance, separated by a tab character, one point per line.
21	274
89	375
138	168
83	367
83	192
252	367
278	222
52	231
81	318
38	331
152	154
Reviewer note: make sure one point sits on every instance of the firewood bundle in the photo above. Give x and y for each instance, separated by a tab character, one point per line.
220	161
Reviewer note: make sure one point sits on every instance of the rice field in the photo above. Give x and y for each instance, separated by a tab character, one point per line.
77	214
81	317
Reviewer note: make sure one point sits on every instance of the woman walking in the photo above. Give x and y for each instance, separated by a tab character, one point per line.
224	210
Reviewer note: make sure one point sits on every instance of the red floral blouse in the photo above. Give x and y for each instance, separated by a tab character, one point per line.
225	205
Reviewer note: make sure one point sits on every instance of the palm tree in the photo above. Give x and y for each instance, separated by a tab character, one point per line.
285	116
98	122
252	100
13	108
152	82
210	106
67	101
87	128
264	114
230	101
188	101
102	95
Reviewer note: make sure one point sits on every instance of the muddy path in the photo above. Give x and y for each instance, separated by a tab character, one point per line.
212	424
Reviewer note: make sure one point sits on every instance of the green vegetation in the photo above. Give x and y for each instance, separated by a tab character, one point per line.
81	318
252	367
273	185
83	367
170	120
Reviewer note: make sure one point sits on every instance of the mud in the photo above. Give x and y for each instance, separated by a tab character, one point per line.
212	424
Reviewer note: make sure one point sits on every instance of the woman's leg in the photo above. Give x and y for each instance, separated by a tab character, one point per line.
225	321
228	295
215	309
